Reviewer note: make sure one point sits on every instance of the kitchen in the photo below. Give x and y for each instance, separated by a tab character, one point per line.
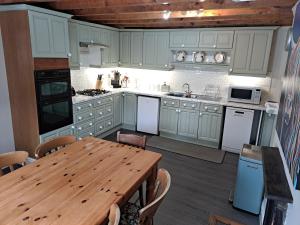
200	92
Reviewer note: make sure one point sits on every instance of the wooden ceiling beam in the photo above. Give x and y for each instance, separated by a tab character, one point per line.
190	14
181	6
112	5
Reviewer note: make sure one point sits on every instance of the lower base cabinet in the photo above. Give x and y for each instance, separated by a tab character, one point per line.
129	111
64	131
209	126
118	109
187	123
168	120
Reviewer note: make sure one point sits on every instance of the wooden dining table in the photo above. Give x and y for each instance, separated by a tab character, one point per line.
77	184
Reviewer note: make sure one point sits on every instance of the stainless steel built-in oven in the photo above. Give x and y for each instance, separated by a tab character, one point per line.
54	99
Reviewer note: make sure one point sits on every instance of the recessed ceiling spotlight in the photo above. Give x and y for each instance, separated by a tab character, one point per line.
165	3
243	0
201	0
166	14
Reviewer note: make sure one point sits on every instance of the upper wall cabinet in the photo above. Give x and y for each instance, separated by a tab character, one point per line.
114	47
251	52
49	35
216	39
184	39
136	48
125	48
156	49
74	47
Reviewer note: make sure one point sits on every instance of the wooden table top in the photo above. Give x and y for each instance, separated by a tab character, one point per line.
75	185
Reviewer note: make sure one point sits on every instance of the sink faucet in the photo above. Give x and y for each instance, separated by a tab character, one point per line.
188	92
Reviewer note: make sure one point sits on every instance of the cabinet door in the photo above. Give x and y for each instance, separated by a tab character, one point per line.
209	126
106	40
168	120
129	111
241	52
184	39
188	123
125	48
60	37
224	39
114	48
162	49
74	46
136	48
149	49
208	39
84	33
40	32
118	109
266	131
260	52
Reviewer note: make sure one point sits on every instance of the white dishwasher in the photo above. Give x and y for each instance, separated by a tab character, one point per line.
148	114
237	129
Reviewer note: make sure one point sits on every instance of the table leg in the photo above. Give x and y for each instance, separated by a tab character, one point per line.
151	185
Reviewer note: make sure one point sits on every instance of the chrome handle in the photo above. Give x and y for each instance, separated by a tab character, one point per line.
78	107
79	118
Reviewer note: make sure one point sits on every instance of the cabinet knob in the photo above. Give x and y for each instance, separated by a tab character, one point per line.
109	123
69	54
182	45
173	103
92	41
79	118
79	128
193	105
99	102
205	107
140	64
110	99
78	107
73	127
91	124
214	46
166	65
79	138
184	104
200	114
216	109
165	102
123	95
100	113
100	127
109	110
90	105
91	134
179	110
91	114
230	70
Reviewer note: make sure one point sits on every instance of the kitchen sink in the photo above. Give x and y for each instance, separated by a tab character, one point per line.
177	94
194	96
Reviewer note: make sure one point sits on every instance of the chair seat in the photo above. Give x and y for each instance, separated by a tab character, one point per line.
130	214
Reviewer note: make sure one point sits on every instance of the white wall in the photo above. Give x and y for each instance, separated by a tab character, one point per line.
6	130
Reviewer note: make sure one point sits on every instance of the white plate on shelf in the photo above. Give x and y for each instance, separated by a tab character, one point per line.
220	57
199	57
180	56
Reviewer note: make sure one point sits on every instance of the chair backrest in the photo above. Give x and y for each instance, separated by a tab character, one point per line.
114	215
163	184
131	139
53	145
11	158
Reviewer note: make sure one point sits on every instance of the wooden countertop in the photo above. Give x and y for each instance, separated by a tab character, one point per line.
75	185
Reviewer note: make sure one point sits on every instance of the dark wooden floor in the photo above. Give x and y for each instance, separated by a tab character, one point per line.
199	188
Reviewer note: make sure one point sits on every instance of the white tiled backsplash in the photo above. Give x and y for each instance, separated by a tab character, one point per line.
152	79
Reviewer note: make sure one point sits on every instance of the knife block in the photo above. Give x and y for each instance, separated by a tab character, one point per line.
98	84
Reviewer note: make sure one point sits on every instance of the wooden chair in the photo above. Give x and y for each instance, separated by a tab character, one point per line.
114	215
137	141
53	145
145	215
131	139
11	158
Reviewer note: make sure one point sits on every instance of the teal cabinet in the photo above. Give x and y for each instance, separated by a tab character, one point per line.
168	120
84	33
156	49
267	128
118	109
125	48
114	48
105	39
209	128
136	48
251	52
129	110
49	35
216	39
187	123
74	46
184	39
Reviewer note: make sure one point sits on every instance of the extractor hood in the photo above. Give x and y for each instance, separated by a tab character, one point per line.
91	43
91	54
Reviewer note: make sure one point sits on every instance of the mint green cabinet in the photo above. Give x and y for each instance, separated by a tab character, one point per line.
74	46
156	49
125	48
118	109
84	33
105	39
267	127
251	52
187	123
184	39
216	39
209	128
129	110
168	120
49	35
136	48
114	48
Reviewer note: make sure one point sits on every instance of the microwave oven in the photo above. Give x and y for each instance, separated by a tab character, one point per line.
250	95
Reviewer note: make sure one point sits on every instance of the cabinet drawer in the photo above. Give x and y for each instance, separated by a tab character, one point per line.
109	123
189	105
66	132
211	108
170	102
85	127
82	106
83	116
103	111
100	127
83	135
102	101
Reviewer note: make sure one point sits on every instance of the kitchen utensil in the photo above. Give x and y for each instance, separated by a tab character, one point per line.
99	82
199	57
180	56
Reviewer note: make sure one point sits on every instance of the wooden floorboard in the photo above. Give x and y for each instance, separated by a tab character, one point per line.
199	189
